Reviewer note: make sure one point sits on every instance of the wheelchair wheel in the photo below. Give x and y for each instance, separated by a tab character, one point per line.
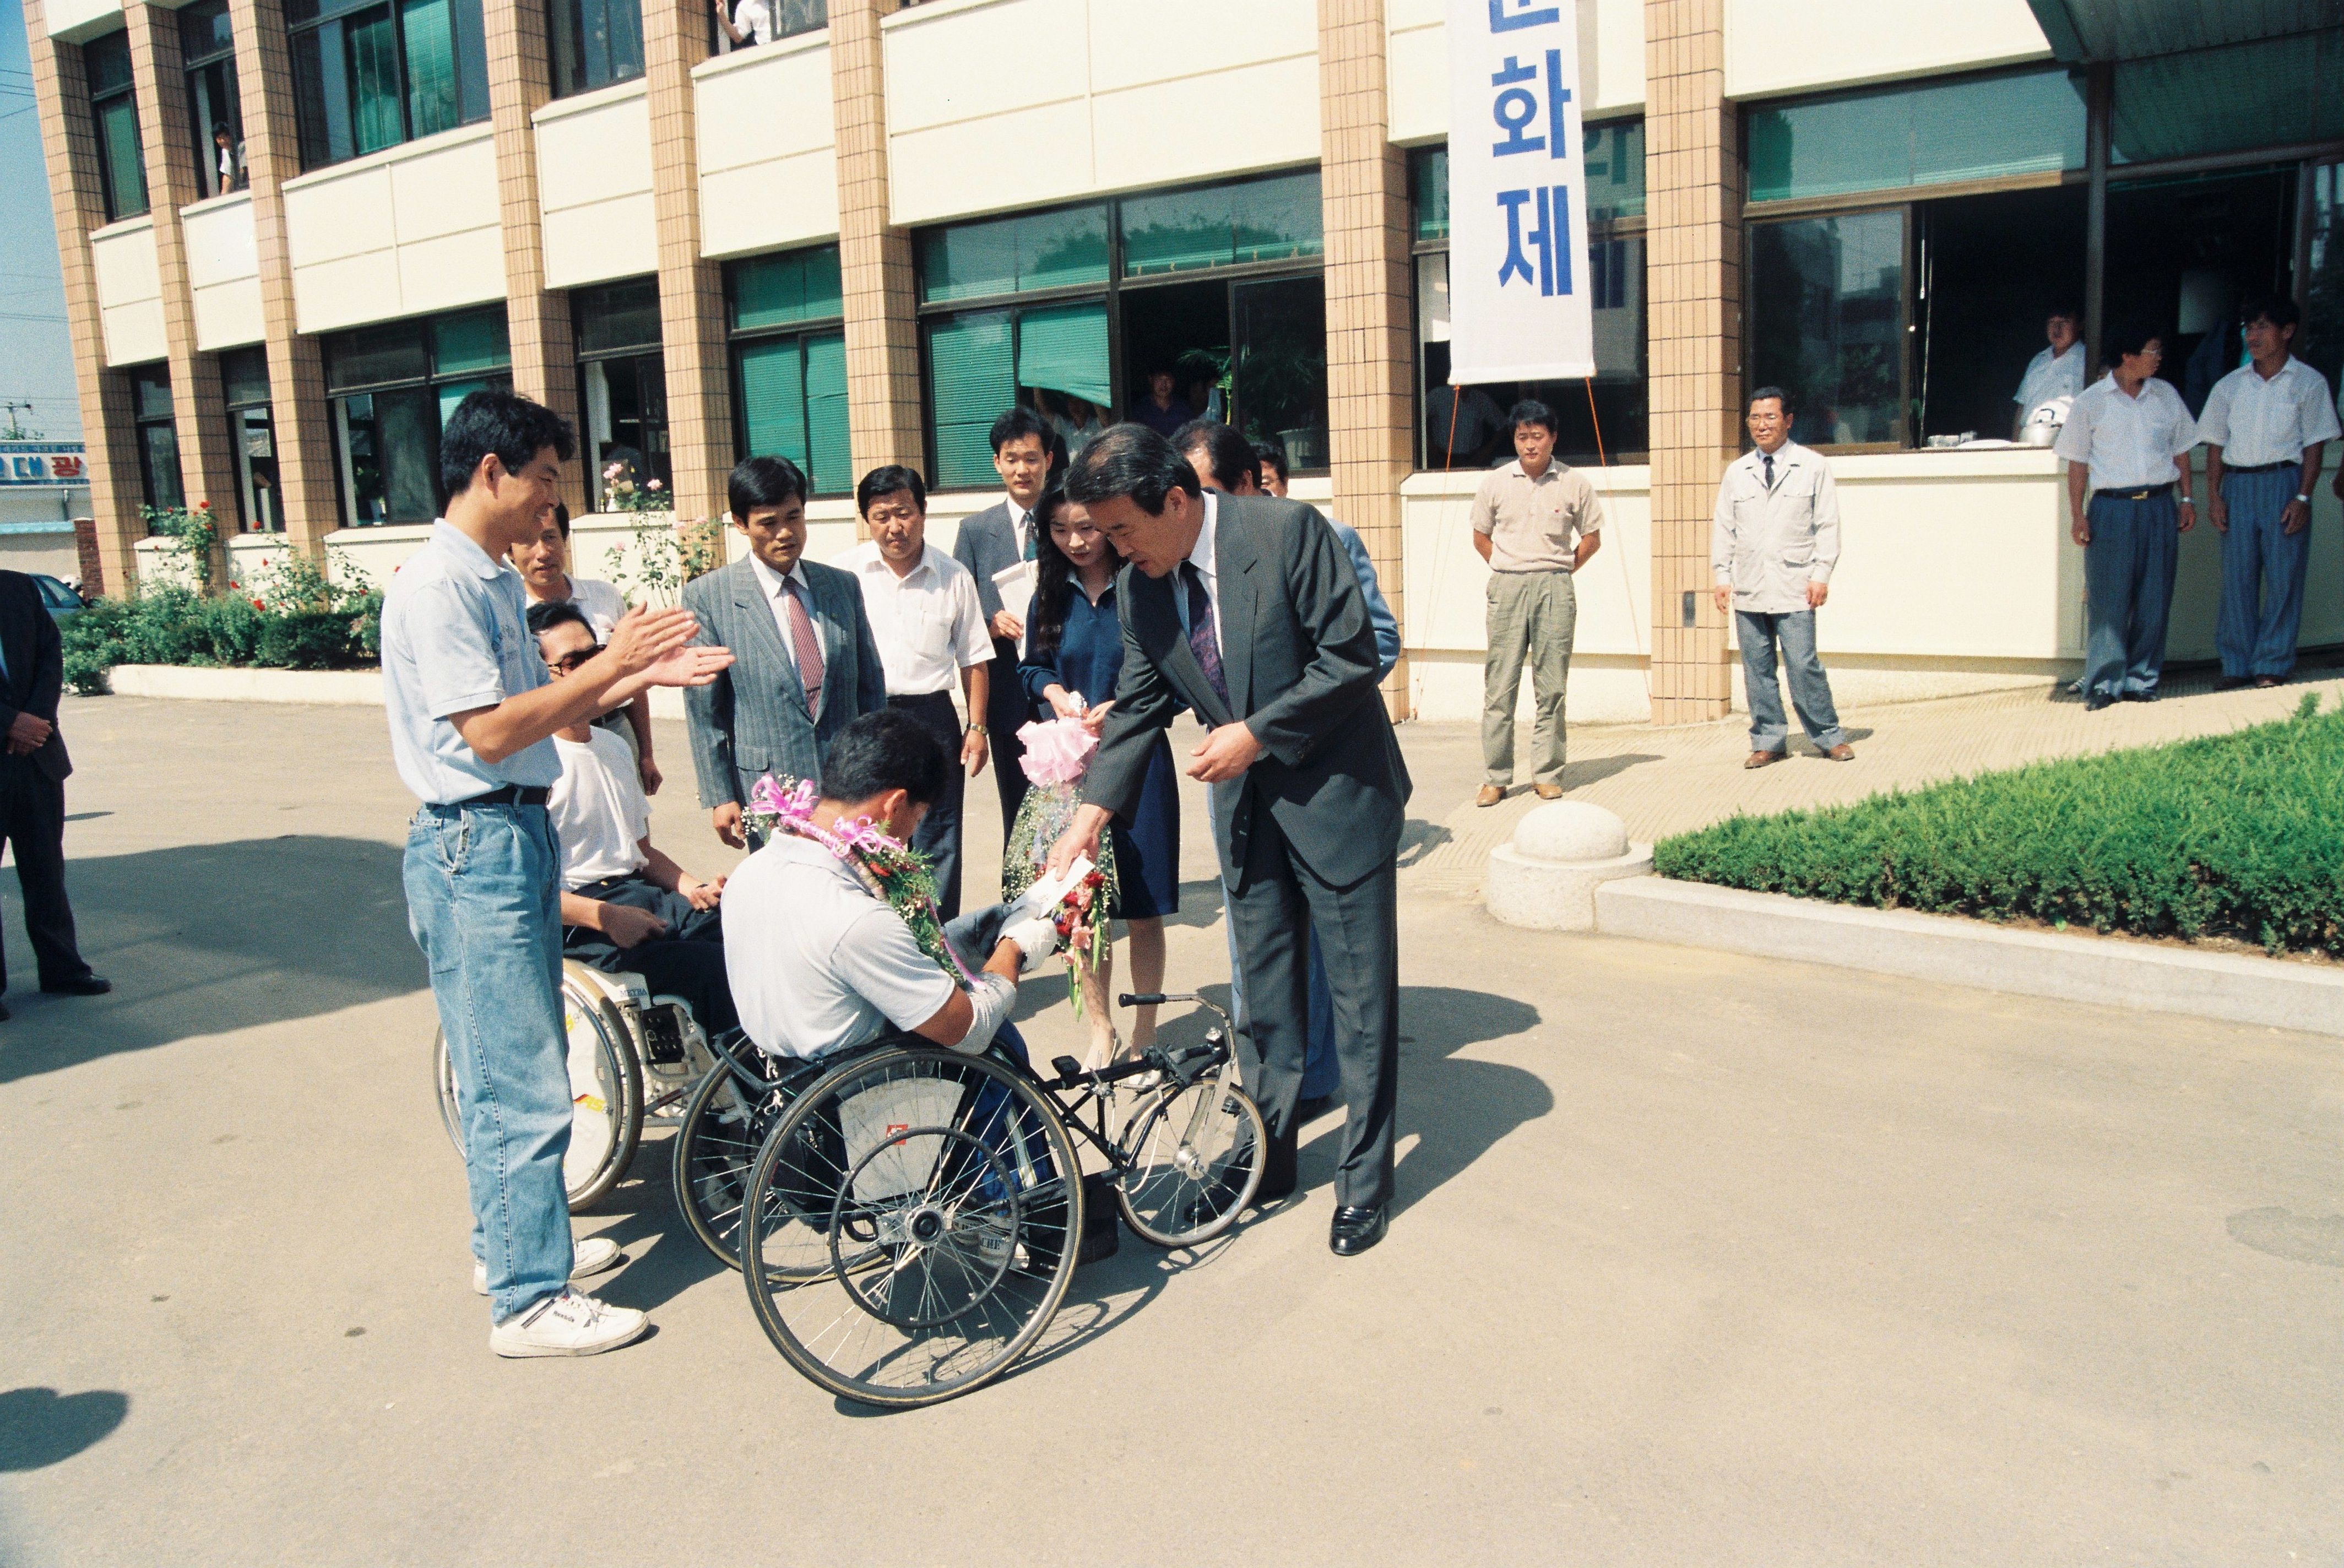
606	1096
1195	1160
915	1218
723	1124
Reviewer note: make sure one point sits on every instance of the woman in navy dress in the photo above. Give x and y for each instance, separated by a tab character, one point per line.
1073	653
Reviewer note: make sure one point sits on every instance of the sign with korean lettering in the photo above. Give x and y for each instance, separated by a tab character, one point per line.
43	463
1518	274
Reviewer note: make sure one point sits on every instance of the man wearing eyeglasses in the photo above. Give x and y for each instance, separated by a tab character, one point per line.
624	903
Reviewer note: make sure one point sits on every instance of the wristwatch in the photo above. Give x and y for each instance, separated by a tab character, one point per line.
2304	498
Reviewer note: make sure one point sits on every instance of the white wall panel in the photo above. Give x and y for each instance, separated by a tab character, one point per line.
223	271
1234	121
129	291
79	21
1041	154
1135	45
595	187
397	233
766	143
1793	45
1416	63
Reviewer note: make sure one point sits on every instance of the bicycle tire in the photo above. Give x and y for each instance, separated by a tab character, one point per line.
1196	1185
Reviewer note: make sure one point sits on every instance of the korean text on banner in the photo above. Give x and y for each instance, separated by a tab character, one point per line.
1517	194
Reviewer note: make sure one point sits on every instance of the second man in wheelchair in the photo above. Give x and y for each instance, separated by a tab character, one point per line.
625	905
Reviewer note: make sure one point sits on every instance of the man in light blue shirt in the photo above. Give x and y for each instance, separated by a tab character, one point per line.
473	713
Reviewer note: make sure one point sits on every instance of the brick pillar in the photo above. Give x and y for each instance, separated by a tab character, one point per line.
1693	271
875	258
69	142
206	464
303	429
1371	359
692	289
544	357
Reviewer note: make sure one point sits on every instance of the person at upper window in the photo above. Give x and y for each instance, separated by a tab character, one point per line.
625	905
2124	440
229	153
2266	427
543	563
1270	473
1078	427
1162	410
752	22
2053	373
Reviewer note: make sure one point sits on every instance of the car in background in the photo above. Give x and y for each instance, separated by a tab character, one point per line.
63	601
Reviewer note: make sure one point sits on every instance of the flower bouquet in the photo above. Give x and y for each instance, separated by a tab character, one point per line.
1057	755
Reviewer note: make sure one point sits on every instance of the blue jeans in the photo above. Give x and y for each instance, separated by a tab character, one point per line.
1810	687
2128	581
2263	569
483	901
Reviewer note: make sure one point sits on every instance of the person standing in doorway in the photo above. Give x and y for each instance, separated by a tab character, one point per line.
992	542
809	666
543	563
1162	410
2122	441
1535	521
931	631
473	713
33	776
1771	548
2266	428
2055	372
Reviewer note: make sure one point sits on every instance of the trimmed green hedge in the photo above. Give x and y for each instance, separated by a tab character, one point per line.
2238	835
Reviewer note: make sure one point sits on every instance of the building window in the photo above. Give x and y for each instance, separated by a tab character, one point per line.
158	438
368	76
745	24
595	44
1218	287
390	388
252	434
1606	419
114	111
1827	323
2280	92
207	51
789	364
623	384
2321	339
1948	132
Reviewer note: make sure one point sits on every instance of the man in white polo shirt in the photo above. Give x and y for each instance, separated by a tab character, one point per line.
2266	428
930	627
472	716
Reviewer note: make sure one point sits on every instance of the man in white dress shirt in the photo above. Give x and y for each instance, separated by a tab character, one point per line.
2266	428
930	628
2056	372
1773	544
2121	441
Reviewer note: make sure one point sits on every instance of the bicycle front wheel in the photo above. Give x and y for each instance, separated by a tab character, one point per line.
910	1224
1195	1161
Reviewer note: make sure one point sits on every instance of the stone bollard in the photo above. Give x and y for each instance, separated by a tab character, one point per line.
1546	878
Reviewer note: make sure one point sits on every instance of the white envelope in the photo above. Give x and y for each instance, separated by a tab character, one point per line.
1017	586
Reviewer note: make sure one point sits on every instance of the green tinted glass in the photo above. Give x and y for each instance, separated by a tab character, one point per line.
373	57
1062	250
621	315
1223	226
126	166
1063	349
469	343
1977	129
431	99
1427	191
782	290
244	377
373	355
2266	94
106	62
772	400
972	378
1827	322
1613	153
150	393
830	463
1013	255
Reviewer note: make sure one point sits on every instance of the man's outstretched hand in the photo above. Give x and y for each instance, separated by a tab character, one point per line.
692	665
643	637
1081	838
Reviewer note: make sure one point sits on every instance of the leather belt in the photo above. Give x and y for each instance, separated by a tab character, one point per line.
2155	489
511	794
2262	468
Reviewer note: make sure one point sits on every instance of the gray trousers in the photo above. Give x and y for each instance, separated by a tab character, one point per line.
2129	571
1532	614
1758	630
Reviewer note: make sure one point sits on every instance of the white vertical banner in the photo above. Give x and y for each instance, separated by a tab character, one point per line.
1517	194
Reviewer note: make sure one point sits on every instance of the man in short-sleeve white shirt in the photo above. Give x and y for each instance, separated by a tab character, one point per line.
930	627
2055	372
543	563
471	715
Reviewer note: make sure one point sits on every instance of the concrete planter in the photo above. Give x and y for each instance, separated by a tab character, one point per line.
1546	879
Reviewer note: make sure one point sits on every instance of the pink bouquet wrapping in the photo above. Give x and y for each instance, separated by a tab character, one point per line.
1059	752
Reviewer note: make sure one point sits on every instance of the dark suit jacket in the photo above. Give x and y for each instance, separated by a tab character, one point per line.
751	719
1298	655
37	671
987	544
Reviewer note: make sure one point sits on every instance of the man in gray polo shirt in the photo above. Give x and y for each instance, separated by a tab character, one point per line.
472	712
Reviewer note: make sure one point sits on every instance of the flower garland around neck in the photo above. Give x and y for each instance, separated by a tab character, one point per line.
893	871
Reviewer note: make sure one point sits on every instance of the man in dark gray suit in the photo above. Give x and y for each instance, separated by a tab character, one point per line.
804	663
992	541
1247	610
32	773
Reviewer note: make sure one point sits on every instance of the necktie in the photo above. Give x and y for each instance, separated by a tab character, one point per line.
807	646
1204	639
1768	458
1033	538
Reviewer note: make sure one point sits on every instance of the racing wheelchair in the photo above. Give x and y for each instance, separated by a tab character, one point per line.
906	1218
632	1055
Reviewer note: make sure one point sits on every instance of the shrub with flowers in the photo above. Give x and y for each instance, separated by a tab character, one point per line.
623	492
665	555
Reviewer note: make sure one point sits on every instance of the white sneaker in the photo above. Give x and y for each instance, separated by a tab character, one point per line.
569	1324
590	1258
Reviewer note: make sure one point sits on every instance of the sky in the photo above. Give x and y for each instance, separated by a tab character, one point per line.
36	349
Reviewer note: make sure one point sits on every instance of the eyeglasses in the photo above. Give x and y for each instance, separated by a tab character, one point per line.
570	663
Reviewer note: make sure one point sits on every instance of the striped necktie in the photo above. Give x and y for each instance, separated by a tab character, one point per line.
805	644
1204	639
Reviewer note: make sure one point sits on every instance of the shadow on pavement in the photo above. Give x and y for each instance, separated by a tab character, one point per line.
41	1427
208	938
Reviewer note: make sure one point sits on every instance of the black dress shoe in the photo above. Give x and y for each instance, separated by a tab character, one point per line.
79	985
1278	1173
1354	1230
2094	703
2138	696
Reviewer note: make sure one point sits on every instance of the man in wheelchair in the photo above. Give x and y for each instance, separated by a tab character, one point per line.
625	905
